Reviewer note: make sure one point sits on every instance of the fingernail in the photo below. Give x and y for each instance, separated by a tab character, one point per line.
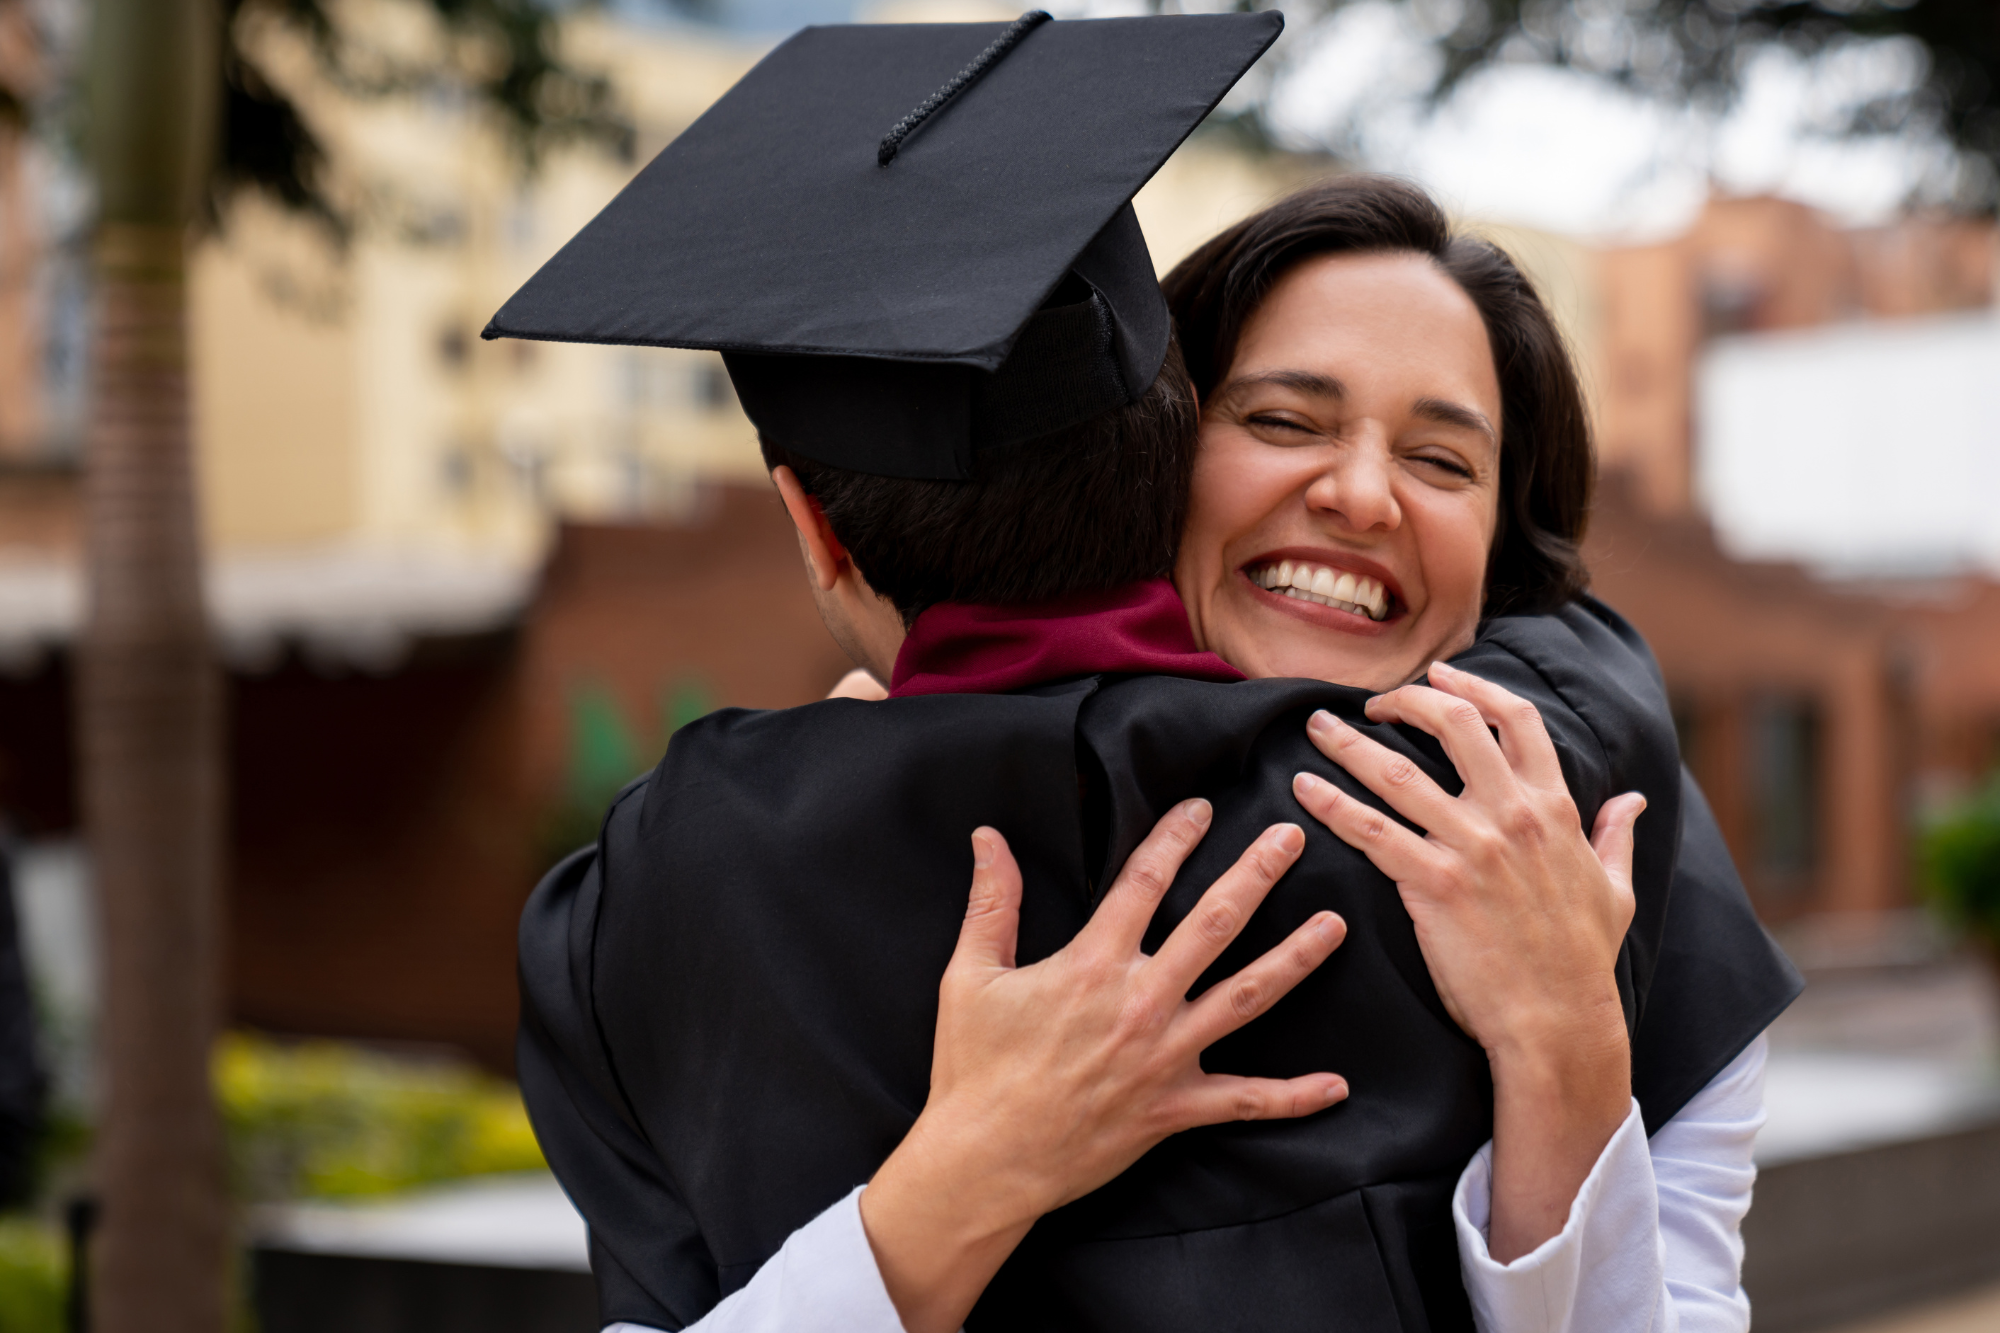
1322	721
1328	928
1336	1091
1199	811
1290	837
1444	668
982	851
1304	783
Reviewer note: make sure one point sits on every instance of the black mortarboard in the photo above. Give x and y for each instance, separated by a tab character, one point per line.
909	241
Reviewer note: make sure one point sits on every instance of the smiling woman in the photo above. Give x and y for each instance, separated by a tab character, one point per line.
1396	466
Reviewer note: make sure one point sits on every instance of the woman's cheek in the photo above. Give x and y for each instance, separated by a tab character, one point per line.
1470	553
1453	538
1198	567
1223	508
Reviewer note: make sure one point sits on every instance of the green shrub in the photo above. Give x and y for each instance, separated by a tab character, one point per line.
1960	858
606	751
34	1277
329	1120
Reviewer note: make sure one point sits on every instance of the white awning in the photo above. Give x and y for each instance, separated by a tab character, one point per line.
344	608
1860	449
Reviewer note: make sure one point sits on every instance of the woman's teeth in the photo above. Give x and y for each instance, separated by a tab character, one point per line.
1329	587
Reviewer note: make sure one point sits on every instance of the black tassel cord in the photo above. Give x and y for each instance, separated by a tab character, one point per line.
885	153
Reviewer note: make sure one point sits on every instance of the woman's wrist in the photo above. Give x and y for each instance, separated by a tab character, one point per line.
1559	1095
1574	1067
1564	1037
977	1182
941	1216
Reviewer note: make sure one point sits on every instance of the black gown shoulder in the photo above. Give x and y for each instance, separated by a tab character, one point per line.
729	1002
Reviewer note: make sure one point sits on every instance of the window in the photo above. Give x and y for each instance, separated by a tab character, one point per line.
712	389
1687	730
1784	756
1729	302
454	347
458	471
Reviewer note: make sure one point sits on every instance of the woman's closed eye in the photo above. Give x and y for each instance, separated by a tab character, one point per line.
1446	464
1282	425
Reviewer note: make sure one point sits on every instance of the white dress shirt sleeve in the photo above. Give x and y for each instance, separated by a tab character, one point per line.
1653	1242
824	1280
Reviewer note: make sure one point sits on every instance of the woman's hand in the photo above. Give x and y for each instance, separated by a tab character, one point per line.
1049	1080
1520	918
858	684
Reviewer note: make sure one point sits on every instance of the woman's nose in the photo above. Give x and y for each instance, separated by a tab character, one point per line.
1357	489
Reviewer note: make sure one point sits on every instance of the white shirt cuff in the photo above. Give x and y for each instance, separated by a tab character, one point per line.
1590	1275
824	1280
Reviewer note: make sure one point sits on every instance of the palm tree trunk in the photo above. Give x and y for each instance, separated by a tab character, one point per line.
149	699
150	737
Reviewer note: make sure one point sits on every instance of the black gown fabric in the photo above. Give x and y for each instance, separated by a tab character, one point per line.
729	1002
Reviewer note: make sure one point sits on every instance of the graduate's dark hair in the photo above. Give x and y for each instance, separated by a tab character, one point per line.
1547	463
1084	509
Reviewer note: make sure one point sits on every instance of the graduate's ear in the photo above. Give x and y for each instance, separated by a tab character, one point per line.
824	554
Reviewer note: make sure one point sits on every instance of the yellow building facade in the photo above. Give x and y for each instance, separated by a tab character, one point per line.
343	396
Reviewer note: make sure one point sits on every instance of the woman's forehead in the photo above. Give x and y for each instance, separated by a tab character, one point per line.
1389	320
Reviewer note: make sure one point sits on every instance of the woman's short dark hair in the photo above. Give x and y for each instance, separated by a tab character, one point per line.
1085	509
1547	464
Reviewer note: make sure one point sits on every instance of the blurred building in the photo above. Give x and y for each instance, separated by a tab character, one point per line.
344	398
382	494
1795	419
1792	700
20	377
385	828
1754	266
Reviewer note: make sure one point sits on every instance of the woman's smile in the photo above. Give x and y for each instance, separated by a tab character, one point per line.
1330	588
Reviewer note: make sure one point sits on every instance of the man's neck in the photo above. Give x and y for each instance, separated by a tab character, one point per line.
867	626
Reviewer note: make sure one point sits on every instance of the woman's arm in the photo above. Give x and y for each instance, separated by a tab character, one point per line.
1704	1166
1653	1243
1046	1081
823	1280
1520	918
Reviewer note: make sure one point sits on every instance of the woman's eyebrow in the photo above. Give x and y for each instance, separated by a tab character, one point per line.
1310	383
1447	413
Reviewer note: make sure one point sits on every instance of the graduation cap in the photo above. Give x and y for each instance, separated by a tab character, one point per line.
909	241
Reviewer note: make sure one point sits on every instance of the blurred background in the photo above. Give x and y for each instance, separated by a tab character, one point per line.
460	592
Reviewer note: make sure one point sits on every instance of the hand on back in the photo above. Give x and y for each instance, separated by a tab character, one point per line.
1080	1063
1520	915
1048	1080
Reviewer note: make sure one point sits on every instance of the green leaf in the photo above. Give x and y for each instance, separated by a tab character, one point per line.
1959	857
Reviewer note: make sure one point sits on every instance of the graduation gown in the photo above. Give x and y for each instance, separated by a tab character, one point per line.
729	1002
